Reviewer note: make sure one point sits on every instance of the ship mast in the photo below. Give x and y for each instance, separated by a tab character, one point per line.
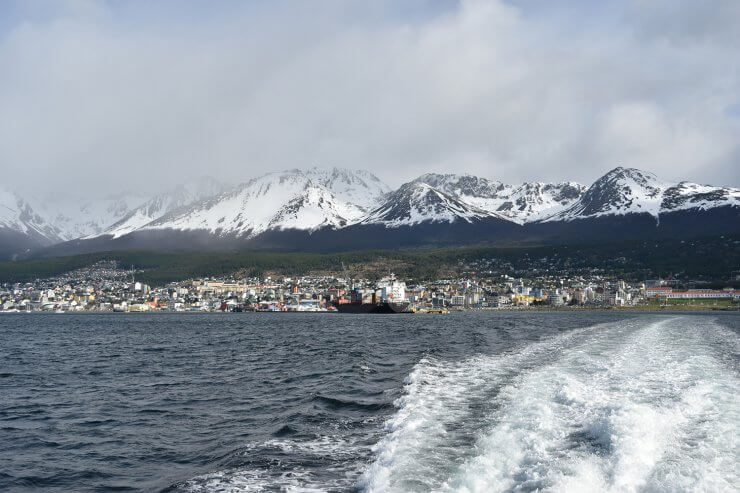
347	280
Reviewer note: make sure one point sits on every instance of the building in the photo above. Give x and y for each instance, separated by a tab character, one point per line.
580	296
457	300
652	292
699	294
555	297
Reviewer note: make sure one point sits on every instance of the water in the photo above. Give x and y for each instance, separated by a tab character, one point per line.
587	401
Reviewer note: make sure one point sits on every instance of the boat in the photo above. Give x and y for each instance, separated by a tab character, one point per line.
378	307
391	299
268	306
438	310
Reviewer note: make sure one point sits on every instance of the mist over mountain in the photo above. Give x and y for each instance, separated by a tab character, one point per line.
491	116
326	209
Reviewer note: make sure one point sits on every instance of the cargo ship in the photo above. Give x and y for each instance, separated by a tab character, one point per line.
378	307
389	298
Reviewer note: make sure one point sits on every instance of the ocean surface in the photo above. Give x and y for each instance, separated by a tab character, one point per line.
471	402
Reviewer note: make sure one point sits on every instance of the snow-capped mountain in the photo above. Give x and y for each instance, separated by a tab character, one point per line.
359	187
686	195
293	199
336	208
418	202
73	219
164	203
464	186
621	191
519	203
625	191
530	202
314	208
19	217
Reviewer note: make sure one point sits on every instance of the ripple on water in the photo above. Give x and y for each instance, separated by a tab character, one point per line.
466	402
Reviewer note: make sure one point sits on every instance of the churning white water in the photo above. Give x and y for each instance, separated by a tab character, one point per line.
649	404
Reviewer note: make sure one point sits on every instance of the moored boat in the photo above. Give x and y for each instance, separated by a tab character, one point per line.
388	297
378	307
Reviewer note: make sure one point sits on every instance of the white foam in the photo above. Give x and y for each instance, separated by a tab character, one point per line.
278	478
252	481
642	406
428	434
649	404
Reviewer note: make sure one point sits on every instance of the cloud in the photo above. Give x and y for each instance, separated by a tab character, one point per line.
97	97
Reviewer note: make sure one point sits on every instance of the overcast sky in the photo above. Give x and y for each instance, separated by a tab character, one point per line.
103	96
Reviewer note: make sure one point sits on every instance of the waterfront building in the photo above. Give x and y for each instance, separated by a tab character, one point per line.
699	294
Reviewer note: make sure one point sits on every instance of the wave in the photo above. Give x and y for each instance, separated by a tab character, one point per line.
280	473
644	405
349	404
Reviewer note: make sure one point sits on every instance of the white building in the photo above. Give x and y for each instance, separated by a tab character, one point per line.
700	294
555	297
457	300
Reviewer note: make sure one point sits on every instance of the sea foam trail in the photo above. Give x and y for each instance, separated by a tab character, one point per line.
645	405
444	406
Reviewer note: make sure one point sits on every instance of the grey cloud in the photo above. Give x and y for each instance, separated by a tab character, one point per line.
91	102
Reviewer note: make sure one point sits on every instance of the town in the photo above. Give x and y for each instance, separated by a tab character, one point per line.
107	287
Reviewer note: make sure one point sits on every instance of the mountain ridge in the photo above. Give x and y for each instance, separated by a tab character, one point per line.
303	208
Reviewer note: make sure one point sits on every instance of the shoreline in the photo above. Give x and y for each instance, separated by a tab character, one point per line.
644	309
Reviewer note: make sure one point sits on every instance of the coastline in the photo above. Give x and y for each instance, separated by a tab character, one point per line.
545	309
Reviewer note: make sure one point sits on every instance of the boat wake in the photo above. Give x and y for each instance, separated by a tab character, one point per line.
633	406
648	404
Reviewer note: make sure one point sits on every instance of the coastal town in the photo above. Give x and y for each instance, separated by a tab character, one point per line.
107	287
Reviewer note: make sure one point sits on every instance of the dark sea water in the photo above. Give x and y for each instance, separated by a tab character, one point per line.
472	402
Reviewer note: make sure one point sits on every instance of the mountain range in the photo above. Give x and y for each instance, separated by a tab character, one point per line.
332	209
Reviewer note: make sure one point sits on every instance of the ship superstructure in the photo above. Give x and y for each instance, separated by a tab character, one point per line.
389	296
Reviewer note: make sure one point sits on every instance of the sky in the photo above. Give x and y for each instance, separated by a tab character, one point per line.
100	97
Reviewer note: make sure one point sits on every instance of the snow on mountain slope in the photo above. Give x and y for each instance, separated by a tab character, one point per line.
76	219
460	186
159	205
358	187
17	215
336	198
293	199
316	207
621	191
519	203
417	202
686	195
530	202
